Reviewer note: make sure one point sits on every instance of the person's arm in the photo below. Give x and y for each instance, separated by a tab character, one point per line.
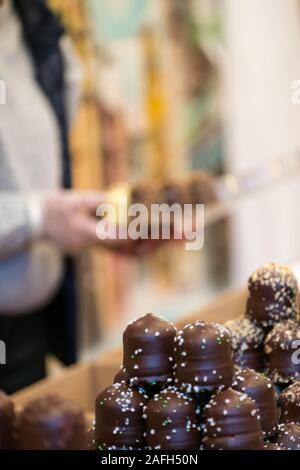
20	221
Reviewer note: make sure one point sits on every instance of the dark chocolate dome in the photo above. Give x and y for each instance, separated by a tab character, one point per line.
204	358
148	348
289	404
289	436
52	423
172	422
261	389
7	422
272	295
231	422
119	422
282	366
247	341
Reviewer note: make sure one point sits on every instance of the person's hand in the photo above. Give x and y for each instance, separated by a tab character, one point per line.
69	219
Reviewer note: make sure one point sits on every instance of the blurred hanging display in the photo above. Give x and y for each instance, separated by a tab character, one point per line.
150	110
118	20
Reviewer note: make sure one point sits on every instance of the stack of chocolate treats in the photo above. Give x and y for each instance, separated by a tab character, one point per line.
210	386
263	338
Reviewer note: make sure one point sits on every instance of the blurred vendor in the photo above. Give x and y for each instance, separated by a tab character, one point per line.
39	221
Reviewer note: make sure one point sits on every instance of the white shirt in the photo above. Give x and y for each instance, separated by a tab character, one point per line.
30	163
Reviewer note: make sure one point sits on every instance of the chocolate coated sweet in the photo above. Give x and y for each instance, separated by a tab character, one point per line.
7	423
289	404
231	422
148	348
272	295
281	354
247	341
52	423
204	358
261	389
288	436
272	446
172	422
119	423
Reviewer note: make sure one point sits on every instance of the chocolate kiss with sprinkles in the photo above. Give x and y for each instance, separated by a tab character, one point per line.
204	358
247	341
231	422
172	422
281	355
52	423
261	389
148	352
289	404
119	423
288	436
272	295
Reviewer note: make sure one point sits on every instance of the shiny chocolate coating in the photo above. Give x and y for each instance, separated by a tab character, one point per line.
52	423
148	352
7	423
247	341
288	436
204	358
261	389
272	295
289	404
119	423
121	376
172	422
231	422
281	355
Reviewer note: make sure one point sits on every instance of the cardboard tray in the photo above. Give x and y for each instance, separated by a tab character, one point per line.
81	383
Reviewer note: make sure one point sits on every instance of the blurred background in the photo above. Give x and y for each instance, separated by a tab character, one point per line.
172	86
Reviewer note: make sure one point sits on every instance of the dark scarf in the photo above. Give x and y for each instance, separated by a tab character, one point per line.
42	33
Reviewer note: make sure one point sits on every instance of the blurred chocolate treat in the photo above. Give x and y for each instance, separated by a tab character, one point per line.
272	295
52	423
148	352
272	446
145	192
172	422
231	422
247	341
174	192
119	423
288	436
289	404
194	188
204	358
7	423
261	389
201	188
282	364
